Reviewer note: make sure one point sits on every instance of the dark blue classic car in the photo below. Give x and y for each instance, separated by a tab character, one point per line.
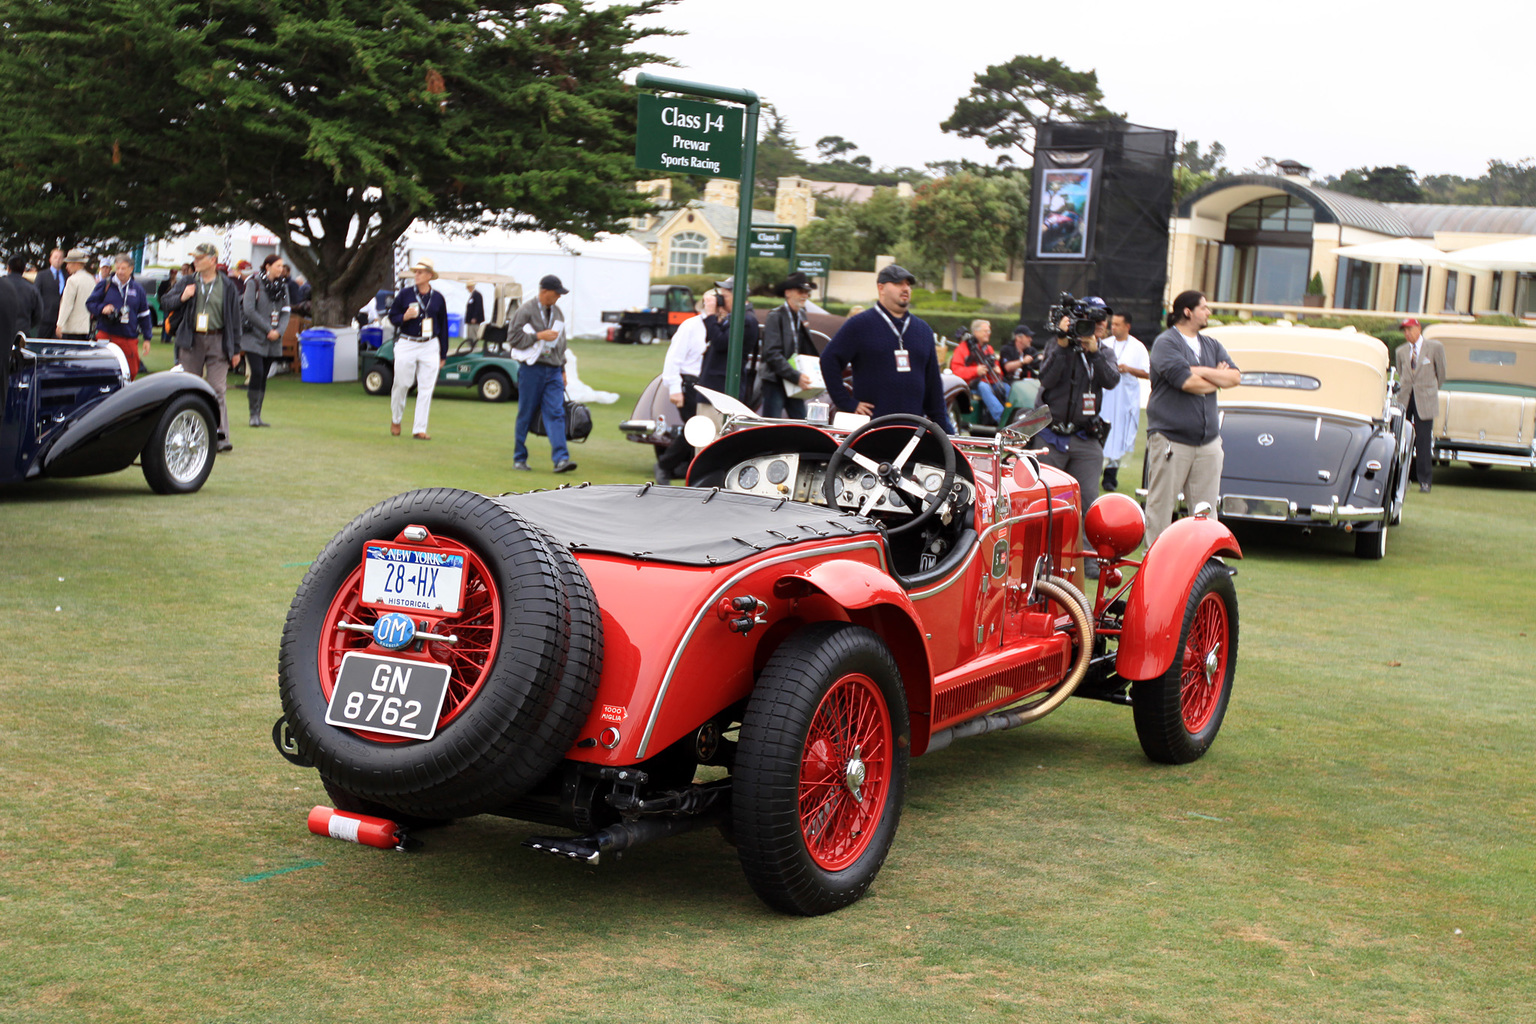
67	409
1310	436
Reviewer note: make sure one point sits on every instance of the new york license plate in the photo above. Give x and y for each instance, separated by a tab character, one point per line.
394	696
402	577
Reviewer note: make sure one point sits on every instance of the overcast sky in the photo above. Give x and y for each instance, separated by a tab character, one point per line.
1340	85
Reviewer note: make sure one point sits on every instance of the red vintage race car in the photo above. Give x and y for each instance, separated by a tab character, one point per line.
762	650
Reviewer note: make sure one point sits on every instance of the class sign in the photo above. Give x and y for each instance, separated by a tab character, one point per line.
688	137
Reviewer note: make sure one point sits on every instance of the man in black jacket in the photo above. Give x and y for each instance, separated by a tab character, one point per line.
718	329
50	288
1072	383
208	334
785	336
474	313
28	300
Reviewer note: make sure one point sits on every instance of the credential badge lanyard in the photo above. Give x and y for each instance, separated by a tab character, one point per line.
903	361
423	303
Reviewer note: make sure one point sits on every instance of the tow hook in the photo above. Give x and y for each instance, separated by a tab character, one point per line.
742	613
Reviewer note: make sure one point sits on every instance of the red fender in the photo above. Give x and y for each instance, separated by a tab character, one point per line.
1154	612
873	599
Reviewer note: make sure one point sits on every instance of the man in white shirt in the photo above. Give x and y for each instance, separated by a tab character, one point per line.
1122	403
679	373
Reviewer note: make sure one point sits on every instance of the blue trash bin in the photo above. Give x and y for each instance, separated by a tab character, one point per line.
371	337
317	355
455	325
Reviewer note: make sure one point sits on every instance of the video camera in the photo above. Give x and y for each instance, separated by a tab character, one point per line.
1083	316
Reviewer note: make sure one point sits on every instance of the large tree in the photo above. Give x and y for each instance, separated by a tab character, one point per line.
1397	184
1009	102
333	125
853	234
962	221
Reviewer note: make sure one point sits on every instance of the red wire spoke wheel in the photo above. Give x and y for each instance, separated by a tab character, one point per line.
521	676
1179	713
821	769
1205	662
845	771
477	625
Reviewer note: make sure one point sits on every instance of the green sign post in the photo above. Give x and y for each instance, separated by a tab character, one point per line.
812	264
716	137
816	265
774	243
688	137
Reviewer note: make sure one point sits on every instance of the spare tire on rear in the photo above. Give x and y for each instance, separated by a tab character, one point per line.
516	697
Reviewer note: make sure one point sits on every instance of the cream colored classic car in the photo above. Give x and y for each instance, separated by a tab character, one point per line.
1487	414
1311	437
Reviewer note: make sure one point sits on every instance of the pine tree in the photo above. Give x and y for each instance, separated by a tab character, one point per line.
332	124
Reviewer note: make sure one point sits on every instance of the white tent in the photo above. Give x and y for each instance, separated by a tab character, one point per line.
1515	254
609	272
1396	250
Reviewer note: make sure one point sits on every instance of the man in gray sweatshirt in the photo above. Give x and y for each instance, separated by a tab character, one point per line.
1183	425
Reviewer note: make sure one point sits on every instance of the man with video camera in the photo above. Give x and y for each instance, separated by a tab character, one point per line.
1072	383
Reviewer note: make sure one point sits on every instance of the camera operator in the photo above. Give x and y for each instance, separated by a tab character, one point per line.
1072	383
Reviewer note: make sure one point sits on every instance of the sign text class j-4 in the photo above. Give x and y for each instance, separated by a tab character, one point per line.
688	137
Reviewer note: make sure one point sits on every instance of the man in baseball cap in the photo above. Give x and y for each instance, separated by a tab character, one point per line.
893	355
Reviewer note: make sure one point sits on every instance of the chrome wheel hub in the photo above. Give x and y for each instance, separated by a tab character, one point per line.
854	774
186	445
1212	662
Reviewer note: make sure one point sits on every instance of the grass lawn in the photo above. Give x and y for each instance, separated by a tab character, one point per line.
1357	847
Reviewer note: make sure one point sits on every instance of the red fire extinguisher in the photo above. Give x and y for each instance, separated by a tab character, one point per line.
357	828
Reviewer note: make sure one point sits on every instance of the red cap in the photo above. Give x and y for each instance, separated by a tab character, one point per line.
1410	322
243	265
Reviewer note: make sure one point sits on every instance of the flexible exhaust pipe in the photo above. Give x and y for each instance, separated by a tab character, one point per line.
1076	603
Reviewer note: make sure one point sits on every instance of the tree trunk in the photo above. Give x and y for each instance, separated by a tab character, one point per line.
954	278
977	271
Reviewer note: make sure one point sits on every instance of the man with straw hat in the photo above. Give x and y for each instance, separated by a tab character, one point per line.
74	319
421	348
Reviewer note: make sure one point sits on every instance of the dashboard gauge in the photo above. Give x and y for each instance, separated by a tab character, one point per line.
778	471
867	481
932	483
747	477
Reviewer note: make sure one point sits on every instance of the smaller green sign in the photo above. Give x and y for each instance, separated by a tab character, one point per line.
770	243
813	264
688	137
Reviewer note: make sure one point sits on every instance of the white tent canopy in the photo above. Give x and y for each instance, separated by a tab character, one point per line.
609	272
1396	250
1515	254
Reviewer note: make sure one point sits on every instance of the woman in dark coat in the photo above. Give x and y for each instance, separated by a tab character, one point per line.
265	309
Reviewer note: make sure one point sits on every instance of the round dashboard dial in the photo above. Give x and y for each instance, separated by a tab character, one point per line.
778	471
932	483
747	477
867	481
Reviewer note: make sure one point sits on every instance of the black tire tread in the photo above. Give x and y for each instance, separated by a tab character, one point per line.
1156	704
497	748
765	818
152	458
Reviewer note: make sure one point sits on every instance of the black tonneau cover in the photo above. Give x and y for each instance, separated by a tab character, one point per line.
685	525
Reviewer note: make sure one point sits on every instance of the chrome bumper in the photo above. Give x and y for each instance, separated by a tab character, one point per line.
1450	452
1280	510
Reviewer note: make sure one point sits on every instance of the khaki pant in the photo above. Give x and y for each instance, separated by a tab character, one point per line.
206	358
1173	467
416	362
